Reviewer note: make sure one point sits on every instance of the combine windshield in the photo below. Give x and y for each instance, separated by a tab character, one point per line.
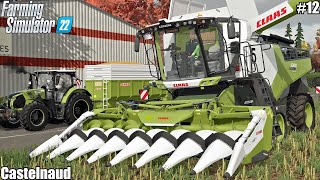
190	53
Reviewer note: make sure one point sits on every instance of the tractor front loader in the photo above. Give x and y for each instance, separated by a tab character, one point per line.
52	94
230	95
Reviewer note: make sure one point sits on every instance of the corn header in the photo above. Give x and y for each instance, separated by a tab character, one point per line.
230	93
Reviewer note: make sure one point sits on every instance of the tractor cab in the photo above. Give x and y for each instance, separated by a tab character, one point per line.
55	82
191	50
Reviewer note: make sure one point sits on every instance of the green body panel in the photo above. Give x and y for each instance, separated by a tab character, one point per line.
165	117
285	75
220	116
119	90
210	81
30	95
220	119
70	92
227	96
265	143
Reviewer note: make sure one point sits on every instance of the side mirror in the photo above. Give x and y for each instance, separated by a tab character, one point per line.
231	29
235	47
137	43
30	84
57	80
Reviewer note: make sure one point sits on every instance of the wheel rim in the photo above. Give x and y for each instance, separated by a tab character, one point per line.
308	115
80	107
37	117
282	126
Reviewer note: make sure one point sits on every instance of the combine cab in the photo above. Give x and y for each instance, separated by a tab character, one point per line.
229	96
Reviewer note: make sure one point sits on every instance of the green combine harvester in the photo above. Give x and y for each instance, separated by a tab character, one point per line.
230	94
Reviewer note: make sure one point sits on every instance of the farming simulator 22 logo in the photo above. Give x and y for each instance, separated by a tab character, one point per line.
28	18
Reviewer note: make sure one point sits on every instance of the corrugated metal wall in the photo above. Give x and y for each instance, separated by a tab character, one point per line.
96	37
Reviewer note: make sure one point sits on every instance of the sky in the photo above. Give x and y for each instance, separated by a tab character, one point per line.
310	23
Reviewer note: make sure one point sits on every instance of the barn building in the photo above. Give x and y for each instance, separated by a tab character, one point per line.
96	37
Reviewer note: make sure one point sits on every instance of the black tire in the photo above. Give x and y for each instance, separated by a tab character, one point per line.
9	125
78	104
297	109
34	117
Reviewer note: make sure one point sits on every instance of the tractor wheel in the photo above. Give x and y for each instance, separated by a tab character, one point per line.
7	124
34	117
301	112
78	104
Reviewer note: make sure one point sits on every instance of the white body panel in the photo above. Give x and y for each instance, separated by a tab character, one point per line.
91	144
182	84
71	143
257	21
137	145
119	72
247	139
244	9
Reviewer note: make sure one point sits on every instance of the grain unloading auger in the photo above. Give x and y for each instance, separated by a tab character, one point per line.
229	96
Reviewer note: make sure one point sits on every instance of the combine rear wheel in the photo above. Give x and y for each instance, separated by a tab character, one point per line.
301	112
78	104
34	117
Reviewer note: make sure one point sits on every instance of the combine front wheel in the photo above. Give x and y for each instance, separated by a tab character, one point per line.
78	104
301	112
280	128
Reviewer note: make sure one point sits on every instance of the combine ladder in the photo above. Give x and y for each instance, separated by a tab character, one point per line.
268	100
105	94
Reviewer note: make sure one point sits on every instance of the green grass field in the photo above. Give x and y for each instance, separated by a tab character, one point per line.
296	158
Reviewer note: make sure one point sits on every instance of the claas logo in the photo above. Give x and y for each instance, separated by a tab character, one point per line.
270	18
181	85
163	118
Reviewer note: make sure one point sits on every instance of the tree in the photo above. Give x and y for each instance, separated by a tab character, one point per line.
299	36
139	13
288	31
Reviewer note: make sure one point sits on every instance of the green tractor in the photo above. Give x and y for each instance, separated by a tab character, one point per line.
51	95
